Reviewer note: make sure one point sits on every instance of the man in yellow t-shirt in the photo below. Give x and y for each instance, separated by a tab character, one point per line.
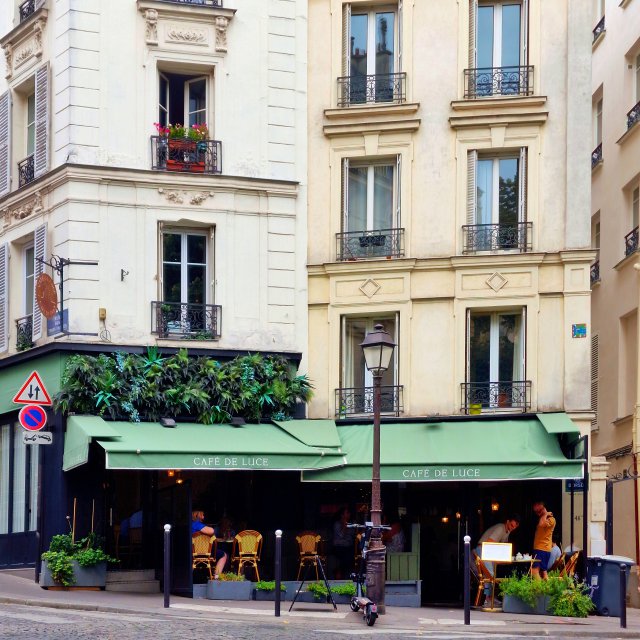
542	541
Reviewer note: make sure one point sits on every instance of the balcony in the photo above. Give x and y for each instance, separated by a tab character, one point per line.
480	397
359	401
196	3
377	88
497	237
26	9
186	321
24	333
26	173
633	116
631	242
598	30
361	245
595	272
186	156
596	156
498	81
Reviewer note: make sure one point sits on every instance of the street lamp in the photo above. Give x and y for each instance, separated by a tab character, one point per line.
377	348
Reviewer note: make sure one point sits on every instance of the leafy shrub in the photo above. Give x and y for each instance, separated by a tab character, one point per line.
231	577
60	566
269	585
348	589
318	590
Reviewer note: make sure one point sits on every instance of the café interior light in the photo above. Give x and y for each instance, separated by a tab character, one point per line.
495	505
445	519
378	348
171	473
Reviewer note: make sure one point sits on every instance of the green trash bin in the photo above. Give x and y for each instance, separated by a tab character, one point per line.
603	576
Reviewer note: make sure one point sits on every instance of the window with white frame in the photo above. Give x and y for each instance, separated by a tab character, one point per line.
598	122
635	207
183	99
496	359
497	202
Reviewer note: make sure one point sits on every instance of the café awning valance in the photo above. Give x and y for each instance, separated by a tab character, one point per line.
452	451
148	445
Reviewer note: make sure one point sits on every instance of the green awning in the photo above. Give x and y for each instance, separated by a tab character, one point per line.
315	433
557	423
148	445
452	451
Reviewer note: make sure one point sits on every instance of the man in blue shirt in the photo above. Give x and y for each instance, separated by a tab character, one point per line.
198	527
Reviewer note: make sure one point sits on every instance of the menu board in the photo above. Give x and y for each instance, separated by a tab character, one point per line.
497	551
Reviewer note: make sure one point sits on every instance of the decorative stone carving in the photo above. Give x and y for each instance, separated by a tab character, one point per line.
8	59
370	288
38	29
199	198
178	197
151	26
186	36
27	209
496	281
24	53
222	23
172	196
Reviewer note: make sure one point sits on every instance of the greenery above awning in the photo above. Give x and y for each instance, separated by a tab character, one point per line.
149	445
455	450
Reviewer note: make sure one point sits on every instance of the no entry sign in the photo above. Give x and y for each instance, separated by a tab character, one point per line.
32	417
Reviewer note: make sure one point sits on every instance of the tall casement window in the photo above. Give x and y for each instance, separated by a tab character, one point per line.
185	309
497	202
498	64
596	154
495	361
182	99
633	115
372	38
18	481
355	395
370	210
631	240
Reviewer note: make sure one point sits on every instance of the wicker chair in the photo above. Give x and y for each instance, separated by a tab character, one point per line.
247	546
202	547
484	577
308	542
569	568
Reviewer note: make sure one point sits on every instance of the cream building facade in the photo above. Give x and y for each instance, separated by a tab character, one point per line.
615	180
448	201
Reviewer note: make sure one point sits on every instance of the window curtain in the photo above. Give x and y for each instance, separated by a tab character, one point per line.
5	455
19	479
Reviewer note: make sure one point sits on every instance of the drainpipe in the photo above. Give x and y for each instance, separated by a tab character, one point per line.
635	446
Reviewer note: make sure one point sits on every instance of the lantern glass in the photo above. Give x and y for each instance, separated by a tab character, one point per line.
378	350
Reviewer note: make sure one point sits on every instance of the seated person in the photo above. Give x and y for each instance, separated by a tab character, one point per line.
394	538
199	528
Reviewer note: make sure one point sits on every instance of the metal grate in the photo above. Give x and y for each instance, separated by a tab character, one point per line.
186	156
477	397
186	321
497	237
359	401
379	243
364	89
500	81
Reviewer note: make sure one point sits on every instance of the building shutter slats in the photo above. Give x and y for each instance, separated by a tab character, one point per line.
4	296
594	381
398	190
473	13
5	143
399	35
522	185
345	194
39	254
472	160
41	155
525	32
346	38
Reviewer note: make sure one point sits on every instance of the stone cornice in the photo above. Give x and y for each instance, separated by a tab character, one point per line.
23	29
372	111
499	103
480	119
380	126
184	10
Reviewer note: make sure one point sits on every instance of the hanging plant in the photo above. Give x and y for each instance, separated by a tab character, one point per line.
132	387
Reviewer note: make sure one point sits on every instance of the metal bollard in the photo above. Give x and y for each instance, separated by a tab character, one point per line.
467	580
623	596
167	564
278	570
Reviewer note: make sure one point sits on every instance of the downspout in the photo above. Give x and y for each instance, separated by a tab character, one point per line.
634	429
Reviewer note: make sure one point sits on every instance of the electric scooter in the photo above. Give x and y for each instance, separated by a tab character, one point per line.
360	602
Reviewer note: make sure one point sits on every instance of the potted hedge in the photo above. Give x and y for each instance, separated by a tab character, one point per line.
229	586
266	590
559	596
69	564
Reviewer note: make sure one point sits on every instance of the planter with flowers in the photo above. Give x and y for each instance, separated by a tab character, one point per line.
229	587
185	148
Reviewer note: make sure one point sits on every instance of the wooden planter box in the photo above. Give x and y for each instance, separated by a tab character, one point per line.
224	590
85	577
511	604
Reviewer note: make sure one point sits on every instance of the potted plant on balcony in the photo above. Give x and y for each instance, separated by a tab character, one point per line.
186	147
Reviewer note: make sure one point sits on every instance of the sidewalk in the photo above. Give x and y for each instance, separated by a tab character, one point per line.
18	587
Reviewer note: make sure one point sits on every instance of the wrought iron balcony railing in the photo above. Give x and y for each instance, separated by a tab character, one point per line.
359	401
186	321
197	3
595	272
24	333
184	155
498	81
596	156
497	237
381	87
26	171
633	115
494	396
379	243
26	9
598	29
631	242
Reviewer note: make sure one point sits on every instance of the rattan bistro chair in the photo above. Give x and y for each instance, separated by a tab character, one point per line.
247	546
202	547
308	542
484	577
569	568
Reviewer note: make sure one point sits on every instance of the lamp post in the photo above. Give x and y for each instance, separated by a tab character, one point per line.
377	348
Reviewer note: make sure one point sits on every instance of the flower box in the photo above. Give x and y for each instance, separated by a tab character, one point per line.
84	577
229	590
185	155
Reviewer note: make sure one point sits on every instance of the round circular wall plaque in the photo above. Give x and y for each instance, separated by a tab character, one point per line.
46	295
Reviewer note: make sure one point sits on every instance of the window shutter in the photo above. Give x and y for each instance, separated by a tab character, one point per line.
4	296
473	13
399	36
398	190
525	33
524	344
594	381
472	159
346	38
41	159
39	253
345	194
522	186
5	143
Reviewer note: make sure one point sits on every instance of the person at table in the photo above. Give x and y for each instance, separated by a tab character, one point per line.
498	533
555	552
542	541
198	527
